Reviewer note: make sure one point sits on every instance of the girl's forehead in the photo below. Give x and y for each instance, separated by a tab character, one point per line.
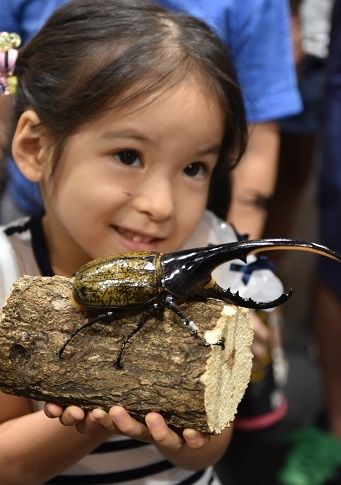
186	113
139	98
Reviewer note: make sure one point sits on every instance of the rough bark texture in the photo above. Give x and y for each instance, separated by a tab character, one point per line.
164	367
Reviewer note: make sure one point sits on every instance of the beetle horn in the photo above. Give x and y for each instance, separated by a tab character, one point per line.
187	272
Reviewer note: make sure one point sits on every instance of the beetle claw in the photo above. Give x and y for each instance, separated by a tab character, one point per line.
238	300
225	294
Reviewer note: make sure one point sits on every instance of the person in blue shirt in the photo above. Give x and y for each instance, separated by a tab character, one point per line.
25	18
259	38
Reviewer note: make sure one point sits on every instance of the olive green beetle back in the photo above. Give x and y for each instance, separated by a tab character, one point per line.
127	280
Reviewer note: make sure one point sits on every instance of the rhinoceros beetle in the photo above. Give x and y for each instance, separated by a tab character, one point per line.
150	281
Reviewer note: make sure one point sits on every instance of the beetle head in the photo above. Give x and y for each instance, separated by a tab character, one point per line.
186	273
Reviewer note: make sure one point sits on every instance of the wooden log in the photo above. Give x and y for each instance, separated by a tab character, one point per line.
164	367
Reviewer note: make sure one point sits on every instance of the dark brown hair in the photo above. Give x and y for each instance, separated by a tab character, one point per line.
95	54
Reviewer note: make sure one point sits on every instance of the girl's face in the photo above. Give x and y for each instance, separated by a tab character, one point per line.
135	178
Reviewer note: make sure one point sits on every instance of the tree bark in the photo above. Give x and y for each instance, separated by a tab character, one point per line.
165	369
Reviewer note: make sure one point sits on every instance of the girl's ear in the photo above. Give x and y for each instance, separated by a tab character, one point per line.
30	146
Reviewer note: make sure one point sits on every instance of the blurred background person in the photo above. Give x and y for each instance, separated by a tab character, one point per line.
24	17
315	456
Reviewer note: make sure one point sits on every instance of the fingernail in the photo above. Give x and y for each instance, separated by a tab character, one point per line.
153	420
117	413
191	435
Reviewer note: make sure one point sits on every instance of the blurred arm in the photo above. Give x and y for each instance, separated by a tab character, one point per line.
254	180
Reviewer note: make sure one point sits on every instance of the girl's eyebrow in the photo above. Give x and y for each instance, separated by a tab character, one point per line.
137	135
210	150
109	135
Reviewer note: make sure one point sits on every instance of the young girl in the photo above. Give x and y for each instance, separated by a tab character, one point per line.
129	118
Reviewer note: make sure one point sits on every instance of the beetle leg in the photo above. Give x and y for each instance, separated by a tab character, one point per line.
189	324
125	339
98	318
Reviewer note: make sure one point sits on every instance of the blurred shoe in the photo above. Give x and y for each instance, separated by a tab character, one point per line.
314	459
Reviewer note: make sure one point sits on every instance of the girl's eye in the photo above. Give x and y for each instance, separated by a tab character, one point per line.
128	157
196	169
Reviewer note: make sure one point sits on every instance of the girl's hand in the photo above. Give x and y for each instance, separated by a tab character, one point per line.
119	421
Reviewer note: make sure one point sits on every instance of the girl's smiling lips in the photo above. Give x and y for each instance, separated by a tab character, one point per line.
136	241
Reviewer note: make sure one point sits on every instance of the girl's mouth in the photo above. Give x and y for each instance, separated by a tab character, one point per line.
135	240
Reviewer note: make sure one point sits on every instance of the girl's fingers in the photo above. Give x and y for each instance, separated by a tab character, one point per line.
53	410
102	418
119	421
156	429
195	439
72	415
162	434
68	416
87	424
127	425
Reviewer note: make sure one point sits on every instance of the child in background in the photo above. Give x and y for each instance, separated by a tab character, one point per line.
130	118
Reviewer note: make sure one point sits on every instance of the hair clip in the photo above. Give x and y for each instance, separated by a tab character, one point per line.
9	43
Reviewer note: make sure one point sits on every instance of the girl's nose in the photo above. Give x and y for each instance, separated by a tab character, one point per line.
156	199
